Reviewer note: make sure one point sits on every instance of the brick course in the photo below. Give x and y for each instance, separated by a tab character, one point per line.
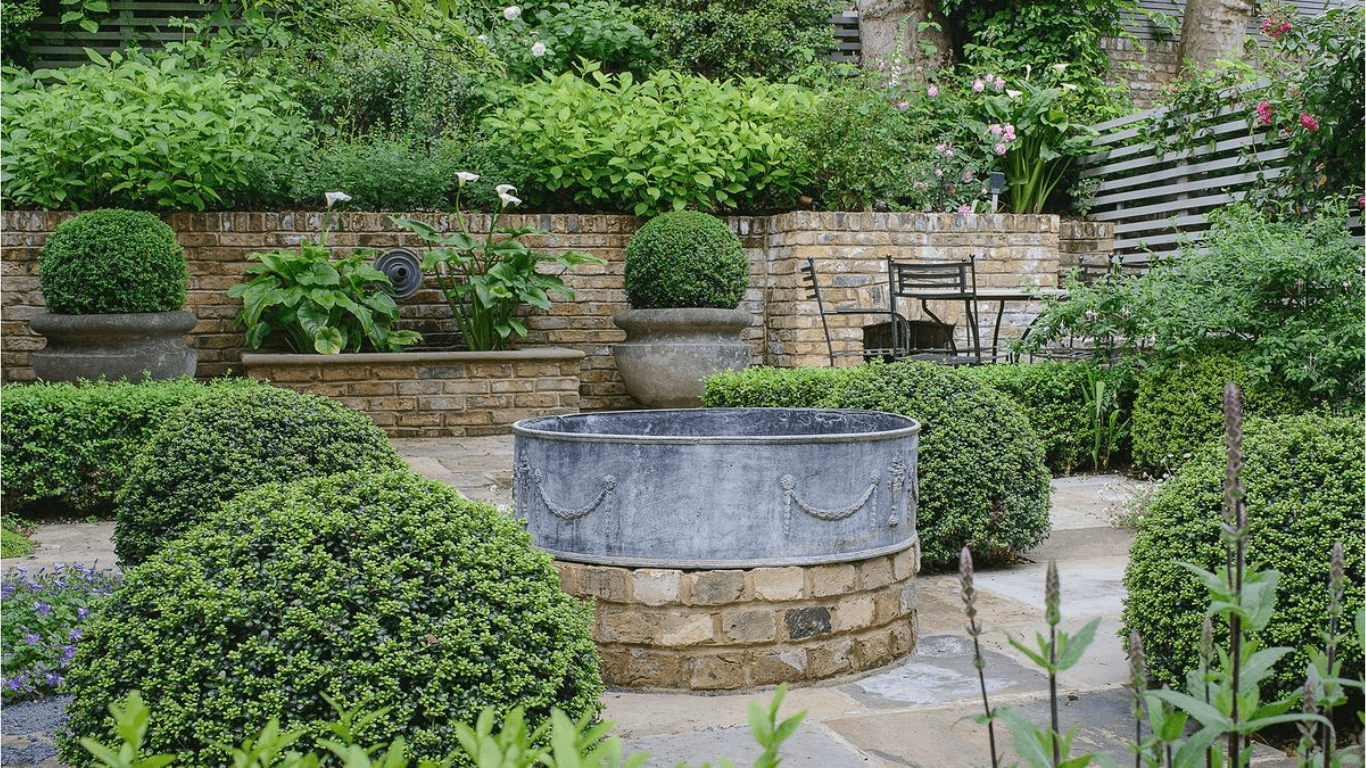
721	630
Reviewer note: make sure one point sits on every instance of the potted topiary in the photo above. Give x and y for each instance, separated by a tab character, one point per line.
686	273
114	283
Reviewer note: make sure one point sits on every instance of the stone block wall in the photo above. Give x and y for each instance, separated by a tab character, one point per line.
849	249
728	629
435	394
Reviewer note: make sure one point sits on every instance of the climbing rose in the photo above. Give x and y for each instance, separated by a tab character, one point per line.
1309	123
1264	113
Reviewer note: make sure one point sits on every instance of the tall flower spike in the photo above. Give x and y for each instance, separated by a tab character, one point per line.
1207	639
1233	445
1337	574
969	594
1138	662
1052	595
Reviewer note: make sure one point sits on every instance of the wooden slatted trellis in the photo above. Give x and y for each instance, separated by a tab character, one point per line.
1159	201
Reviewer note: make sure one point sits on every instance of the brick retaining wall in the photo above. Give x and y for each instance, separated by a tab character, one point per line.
728	629
850	249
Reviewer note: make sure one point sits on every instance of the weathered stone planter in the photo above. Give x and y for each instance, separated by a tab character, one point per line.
729	547
114	346
667	352
435	394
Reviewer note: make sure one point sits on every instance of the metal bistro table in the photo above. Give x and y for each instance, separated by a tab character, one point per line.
1003	296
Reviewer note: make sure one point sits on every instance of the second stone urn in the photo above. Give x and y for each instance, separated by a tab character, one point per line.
667	352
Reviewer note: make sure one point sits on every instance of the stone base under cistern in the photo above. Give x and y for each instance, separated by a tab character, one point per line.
713	630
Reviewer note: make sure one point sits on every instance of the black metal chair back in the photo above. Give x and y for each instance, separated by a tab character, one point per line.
938	281
813	290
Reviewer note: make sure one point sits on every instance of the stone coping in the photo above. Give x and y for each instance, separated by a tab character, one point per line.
464	356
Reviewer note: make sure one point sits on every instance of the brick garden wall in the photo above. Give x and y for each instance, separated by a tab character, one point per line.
849	248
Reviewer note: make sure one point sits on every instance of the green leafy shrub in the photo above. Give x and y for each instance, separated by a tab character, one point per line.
386	591
877	140
399	90
113	261
608	143
735	39
70	446
983	482
1291	289
1176	410
13	544
140	134
379	173
1303	477
232	440
1079	410
16	29
685	259
762	387
550	38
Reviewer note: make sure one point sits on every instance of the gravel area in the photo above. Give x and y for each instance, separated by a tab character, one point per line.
28	729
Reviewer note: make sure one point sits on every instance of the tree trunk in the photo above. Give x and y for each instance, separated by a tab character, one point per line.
1214	29
879	22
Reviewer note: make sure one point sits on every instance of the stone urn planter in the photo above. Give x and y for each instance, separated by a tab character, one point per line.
668	352
114	346
686	273
114	282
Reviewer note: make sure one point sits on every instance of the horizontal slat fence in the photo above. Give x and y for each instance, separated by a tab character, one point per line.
148	23
1157	202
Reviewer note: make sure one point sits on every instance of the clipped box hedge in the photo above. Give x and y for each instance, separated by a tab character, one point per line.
67	448
983	482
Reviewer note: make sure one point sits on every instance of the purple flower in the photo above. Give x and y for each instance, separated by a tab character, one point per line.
42	609
18	683
53	679
32	638
82	614
75	634
68	653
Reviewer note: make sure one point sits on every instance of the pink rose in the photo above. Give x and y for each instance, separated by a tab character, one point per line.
1264	113
1309	123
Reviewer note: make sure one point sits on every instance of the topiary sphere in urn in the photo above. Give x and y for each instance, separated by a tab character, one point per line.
686	273
114	282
